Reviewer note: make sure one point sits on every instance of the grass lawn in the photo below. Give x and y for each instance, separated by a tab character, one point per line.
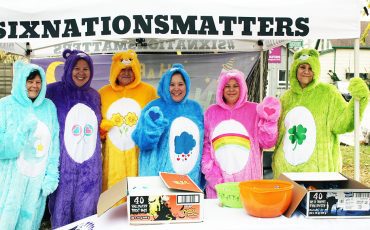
348	162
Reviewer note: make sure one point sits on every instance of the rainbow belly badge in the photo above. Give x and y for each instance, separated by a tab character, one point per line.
231	145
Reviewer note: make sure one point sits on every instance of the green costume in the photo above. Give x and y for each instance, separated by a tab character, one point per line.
311	119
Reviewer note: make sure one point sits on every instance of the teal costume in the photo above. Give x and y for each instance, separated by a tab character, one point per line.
311	120
29	152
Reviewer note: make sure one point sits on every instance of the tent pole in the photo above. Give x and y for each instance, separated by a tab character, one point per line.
261	75
287	67
357	113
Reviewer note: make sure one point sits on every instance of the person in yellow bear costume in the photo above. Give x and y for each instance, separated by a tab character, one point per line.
122	102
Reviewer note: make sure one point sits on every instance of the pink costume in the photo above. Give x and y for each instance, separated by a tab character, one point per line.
234	136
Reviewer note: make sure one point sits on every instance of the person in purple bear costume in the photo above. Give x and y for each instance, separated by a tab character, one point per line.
79	116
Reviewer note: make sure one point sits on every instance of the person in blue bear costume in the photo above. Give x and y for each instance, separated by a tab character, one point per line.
170	129
29	149
79	117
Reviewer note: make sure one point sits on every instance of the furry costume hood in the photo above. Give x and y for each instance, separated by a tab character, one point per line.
19	91
224	77
72	56
121	61
311	57
164	84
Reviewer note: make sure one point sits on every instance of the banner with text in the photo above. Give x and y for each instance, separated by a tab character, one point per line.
275	55
42	20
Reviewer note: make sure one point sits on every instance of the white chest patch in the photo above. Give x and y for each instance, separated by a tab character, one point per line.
125	114
300	135
184	145
33	164
80	132
231	144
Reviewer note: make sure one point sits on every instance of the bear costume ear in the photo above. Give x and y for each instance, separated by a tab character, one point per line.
178	66
313	53
67	53
19	65
297	55
132	54
116	57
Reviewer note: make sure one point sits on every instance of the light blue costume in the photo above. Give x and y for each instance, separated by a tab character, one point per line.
29	152
170	134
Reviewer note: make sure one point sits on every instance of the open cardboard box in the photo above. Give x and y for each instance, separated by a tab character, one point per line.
328	195
167	198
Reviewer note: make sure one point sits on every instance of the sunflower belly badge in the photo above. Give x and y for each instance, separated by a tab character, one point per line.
124	114
300	136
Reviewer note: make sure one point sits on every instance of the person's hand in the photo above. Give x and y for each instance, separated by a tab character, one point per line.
155	115
269	108
27	127
25	132
358	88
29	147
155	118
106	124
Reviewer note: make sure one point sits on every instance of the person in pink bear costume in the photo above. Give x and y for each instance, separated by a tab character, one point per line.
235	132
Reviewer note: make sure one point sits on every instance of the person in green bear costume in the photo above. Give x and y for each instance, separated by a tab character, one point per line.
313	115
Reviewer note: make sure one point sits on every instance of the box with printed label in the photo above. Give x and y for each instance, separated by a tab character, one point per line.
328	195
168	198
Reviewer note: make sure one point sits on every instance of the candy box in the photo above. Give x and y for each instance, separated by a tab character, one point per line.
328	195
168	198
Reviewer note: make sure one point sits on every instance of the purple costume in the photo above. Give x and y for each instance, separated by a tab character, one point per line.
80	148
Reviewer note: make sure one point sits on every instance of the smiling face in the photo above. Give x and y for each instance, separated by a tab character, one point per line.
125	77
231	92
177	87
81	73
304	75
33	87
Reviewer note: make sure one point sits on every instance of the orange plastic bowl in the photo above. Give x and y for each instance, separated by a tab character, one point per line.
265	198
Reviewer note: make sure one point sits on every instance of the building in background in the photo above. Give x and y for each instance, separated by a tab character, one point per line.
337	55
6	78
277	69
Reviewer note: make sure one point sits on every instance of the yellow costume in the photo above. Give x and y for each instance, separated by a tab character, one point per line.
121	109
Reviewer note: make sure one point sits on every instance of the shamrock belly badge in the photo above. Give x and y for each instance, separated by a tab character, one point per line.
300	136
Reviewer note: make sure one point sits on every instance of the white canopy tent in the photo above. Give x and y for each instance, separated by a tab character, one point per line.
38	25
45	23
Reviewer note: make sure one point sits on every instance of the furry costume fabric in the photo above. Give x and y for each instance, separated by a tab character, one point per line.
80	148
312	117
234	136
169	133
121	108
29	152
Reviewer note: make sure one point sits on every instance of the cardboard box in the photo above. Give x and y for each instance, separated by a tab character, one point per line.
168	198
328	195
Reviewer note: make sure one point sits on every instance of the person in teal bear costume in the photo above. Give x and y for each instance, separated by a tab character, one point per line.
29	149
313	115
